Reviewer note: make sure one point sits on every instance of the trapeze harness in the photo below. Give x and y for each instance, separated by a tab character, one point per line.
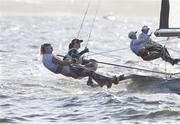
74	55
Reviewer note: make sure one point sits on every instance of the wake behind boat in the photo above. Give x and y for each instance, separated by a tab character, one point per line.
151	84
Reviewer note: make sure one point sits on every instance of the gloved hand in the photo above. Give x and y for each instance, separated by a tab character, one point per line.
86	50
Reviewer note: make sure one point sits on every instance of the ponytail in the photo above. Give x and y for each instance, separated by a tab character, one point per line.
42	50
71	45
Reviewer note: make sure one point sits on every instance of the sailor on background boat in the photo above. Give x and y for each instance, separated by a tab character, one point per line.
144	36
74	55
147	49
66	68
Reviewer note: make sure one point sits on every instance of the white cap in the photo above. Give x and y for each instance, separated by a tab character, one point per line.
132	34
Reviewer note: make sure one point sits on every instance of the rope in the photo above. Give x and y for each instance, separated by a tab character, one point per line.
119	58
116	57
99	53
98	6
162	41
141	69
176	73
83	18
135	68
108	56
165	66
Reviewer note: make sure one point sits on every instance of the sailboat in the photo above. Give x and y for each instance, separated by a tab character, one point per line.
167	17
165	30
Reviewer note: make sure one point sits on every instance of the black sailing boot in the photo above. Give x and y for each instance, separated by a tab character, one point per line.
119	78
175	61
108	84
90	82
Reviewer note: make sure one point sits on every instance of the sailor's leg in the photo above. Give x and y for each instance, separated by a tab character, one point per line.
156	44
90	82
78	70
108	80
166	56
100	79
154	48
152	55
166	51
90	64
66	71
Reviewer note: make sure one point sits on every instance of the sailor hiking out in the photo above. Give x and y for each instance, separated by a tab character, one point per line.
147	49
67	68
78	58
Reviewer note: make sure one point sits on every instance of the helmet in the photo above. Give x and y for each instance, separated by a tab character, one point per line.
145	28
132	35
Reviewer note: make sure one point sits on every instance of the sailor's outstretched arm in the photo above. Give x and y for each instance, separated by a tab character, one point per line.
74	53
83	52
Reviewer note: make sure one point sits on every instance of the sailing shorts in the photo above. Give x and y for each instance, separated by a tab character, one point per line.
70	69
65	70
77	69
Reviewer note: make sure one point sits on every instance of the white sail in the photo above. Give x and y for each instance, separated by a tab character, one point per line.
174	15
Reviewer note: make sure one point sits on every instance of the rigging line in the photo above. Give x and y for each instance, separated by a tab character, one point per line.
97	9
136	68
119	58
99	53
169	47
162	41
81	26
165	66
177	73
108	56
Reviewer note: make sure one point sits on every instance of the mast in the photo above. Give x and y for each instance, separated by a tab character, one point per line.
164	30
164	15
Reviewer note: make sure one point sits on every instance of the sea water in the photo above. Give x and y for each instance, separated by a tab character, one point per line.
30	94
